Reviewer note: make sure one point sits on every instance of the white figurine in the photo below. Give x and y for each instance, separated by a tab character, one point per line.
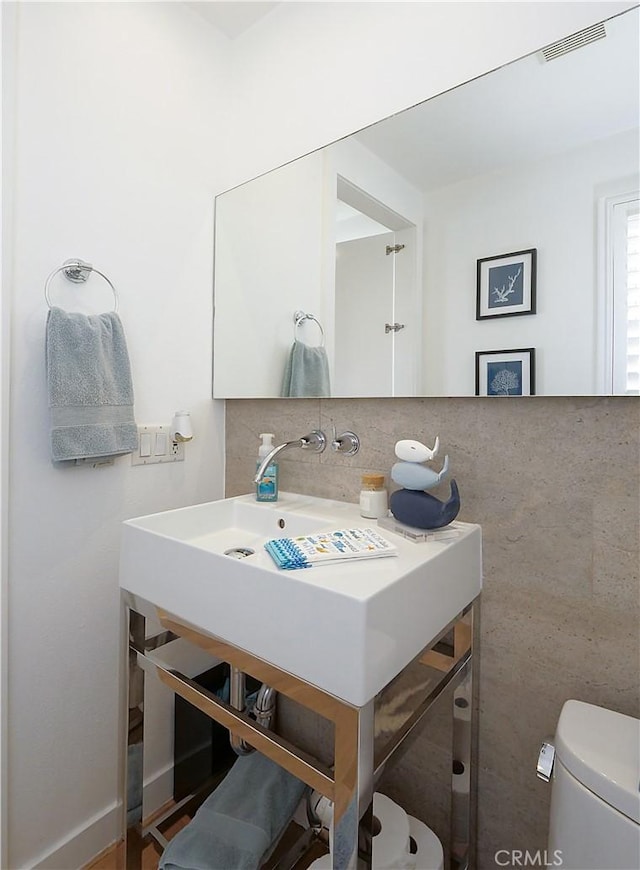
409	472
414	451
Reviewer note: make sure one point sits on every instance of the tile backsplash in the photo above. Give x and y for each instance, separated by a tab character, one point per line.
555	485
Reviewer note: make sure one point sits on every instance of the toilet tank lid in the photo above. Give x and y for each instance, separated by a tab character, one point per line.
601	749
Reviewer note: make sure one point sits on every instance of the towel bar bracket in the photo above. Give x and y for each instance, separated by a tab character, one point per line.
77	270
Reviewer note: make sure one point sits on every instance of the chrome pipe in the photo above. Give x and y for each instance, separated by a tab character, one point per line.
264	708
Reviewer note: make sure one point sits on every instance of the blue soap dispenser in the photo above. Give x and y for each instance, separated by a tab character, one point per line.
267	489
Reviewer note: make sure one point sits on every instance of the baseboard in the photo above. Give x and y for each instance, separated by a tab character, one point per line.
99	832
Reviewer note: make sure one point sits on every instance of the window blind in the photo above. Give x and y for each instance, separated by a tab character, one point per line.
633	301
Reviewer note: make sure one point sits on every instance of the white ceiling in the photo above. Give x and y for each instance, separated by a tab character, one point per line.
232	18
524	111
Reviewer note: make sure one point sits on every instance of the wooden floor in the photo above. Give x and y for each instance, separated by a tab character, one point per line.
109	861
150	855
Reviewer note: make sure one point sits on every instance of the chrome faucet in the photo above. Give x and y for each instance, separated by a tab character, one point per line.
315	441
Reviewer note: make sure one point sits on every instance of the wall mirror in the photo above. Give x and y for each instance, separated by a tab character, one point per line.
484	242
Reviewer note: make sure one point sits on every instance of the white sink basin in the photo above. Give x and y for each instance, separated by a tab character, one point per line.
348	628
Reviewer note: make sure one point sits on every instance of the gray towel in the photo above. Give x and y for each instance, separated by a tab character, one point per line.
237	825
306	371
89	382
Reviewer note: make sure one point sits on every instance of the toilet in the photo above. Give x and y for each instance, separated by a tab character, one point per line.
595	800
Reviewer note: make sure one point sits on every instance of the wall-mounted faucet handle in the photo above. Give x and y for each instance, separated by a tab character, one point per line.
348	443
316	441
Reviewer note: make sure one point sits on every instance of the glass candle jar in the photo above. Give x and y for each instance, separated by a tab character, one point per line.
373	497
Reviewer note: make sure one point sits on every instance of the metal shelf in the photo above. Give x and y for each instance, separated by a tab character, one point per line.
360	747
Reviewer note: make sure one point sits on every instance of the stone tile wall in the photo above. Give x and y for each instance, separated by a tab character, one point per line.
555	484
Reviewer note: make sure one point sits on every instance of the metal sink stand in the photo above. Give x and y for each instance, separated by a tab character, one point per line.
448	660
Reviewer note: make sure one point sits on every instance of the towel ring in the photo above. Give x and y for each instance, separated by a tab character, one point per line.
78	271
299	317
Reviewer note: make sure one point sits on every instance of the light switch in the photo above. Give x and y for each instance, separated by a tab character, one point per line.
155	445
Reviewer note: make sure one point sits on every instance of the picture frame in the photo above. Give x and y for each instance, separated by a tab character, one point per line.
509	372
506	285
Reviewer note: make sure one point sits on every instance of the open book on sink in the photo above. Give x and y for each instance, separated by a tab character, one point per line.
305	551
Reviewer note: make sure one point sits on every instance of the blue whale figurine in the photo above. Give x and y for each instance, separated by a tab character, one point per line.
413	475
423	510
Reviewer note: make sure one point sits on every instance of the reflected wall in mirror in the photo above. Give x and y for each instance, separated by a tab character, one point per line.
378	237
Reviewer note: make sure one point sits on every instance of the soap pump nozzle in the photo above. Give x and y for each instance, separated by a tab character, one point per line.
267	444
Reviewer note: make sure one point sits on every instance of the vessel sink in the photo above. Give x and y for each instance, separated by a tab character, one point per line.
346	627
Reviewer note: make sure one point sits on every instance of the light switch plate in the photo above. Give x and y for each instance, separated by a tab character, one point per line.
173	451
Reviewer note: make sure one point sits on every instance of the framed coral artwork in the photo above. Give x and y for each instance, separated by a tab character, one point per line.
506	285
505	372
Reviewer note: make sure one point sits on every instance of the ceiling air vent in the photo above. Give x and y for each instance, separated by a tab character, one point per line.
576	40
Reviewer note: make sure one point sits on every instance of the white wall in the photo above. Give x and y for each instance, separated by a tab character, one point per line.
275	254
549	205
120	141
130	118
268	263
7	13
364	169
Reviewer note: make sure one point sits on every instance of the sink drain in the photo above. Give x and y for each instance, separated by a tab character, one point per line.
239	552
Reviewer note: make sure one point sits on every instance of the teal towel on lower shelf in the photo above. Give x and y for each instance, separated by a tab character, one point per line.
237	825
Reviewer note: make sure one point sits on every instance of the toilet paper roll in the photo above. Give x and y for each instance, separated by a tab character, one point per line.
429	854
391	834
391	842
